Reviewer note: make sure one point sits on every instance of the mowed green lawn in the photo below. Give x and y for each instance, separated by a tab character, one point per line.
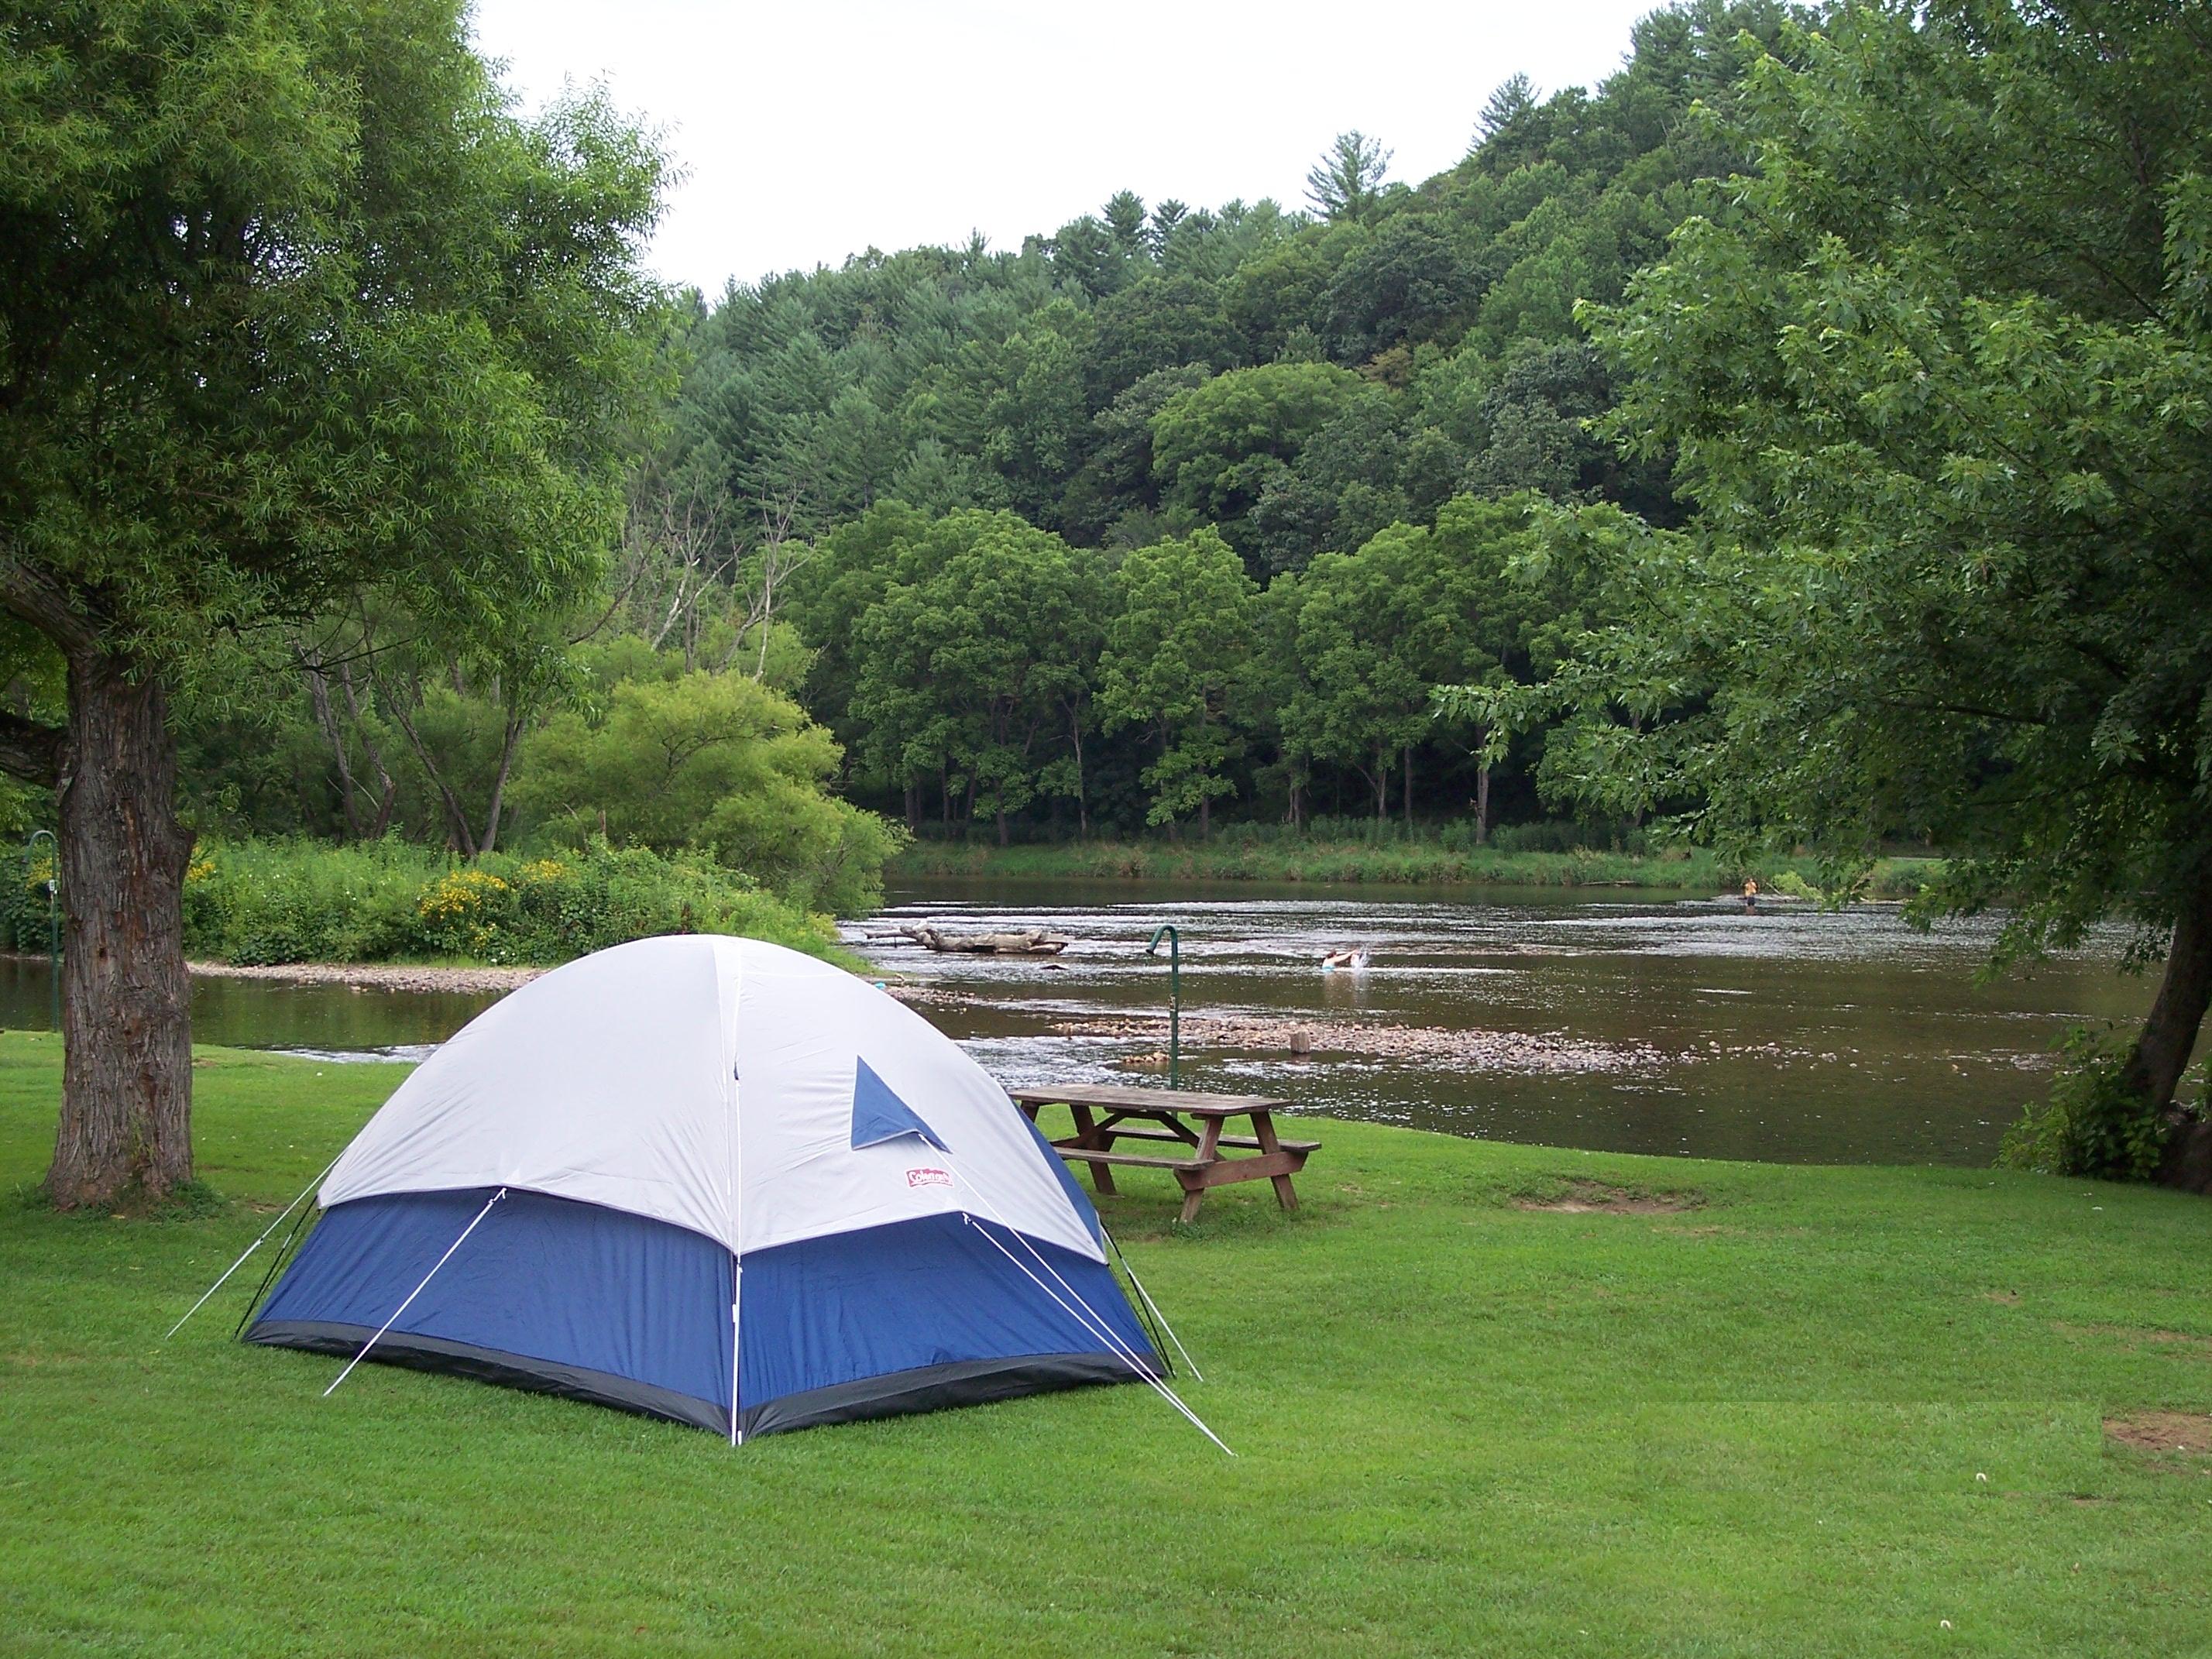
1823	1412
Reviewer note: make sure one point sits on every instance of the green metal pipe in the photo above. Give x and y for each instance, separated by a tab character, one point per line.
1167	929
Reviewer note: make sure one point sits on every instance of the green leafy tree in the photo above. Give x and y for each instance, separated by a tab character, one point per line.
1945	404
1362	698
714	761
294	314
1215	447
976	662
1178	653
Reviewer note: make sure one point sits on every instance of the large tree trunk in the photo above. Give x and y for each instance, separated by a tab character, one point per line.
126	1019
2161	1052
1482	804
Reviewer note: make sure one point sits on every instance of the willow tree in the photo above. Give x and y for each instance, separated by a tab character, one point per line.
296	316
1939	378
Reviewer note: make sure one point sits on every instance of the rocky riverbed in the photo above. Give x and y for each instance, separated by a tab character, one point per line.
376	976
1473	1049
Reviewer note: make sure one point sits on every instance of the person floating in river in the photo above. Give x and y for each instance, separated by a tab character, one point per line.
1751	895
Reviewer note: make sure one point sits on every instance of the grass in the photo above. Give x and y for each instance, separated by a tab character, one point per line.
1755	1425
1350	859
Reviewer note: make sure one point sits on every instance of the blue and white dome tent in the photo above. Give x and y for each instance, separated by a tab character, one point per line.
711	1179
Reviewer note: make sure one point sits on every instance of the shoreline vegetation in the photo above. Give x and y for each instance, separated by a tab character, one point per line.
1742	1383
1352	861
250	905
392	916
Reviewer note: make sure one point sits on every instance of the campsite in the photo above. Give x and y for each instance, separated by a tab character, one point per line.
1189	829
1464	1421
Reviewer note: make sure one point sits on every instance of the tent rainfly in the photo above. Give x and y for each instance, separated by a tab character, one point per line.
714	1181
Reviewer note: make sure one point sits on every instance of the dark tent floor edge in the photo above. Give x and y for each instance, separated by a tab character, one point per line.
555	1296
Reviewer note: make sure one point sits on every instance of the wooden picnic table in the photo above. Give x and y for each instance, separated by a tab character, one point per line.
1193	1121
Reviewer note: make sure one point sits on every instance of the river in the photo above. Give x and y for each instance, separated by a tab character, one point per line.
1628	1022
1687	1027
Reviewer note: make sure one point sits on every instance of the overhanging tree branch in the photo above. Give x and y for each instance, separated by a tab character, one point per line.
38	599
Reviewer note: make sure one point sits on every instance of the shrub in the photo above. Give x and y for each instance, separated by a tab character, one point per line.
277	902
2093	1124
465	913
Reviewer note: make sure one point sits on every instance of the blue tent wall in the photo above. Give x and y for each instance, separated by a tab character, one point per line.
547	1294
922	1314
570	1299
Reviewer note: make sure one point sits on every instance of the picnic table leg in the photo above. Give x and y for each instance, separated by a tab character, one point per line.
1088	1133
1195	1181
1263	1131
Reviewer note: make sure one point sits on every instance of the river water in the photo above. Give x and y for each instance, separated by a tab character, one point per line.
1793	1035
1629	1022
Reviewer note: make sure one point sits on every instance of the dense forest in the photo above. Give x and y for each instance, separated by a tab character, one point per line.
1173	513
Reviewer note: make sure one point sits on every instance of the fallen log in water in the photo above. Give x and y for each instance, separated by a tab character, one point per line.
1036	942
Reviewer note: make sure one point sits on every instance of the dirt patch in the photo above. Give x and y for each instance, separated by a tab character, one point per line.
2139	1337
2162	1431
1595	1198
2010	1298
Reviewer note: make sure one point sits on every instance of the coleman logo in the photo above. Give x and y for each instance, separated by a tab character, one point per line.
928	1177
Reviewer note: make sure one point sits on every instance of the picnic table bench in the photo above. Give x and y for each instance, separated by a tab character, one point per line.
1189	1121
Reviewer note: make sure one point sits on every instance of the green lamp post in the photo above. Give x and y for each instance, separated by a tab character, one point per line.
1167	930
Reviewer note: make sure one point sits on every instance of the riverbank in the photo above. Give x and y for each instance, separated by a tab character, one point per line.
1694	870
1486	1398
464	979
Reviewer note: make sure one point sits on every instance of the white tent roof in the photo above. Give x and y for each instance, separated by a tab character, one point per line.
709	1082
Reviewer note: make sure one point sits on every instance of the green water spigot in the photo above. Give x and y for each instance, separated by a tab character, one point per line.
1175	997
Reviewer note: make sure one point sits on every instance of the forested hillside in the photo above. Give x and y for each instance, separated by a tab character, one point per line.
1174	513
1179	509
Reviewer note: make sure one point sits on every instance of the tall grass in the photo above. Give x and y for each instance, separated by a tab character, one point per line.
300	901
1239	854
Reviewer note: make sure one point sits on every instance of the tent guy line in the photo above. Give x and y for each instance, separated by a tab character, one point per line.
252	1248
412	1294
1090	1314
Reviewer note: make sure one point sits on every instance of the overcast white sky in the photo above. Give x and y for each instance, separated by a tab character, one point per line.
809	131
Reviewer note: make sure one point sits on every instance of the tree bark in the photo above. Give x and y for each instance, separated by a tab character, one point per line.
489	840
1405	788
1482	804
458	832
319	695
1082	792
126	1009
387	791
2169	1034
